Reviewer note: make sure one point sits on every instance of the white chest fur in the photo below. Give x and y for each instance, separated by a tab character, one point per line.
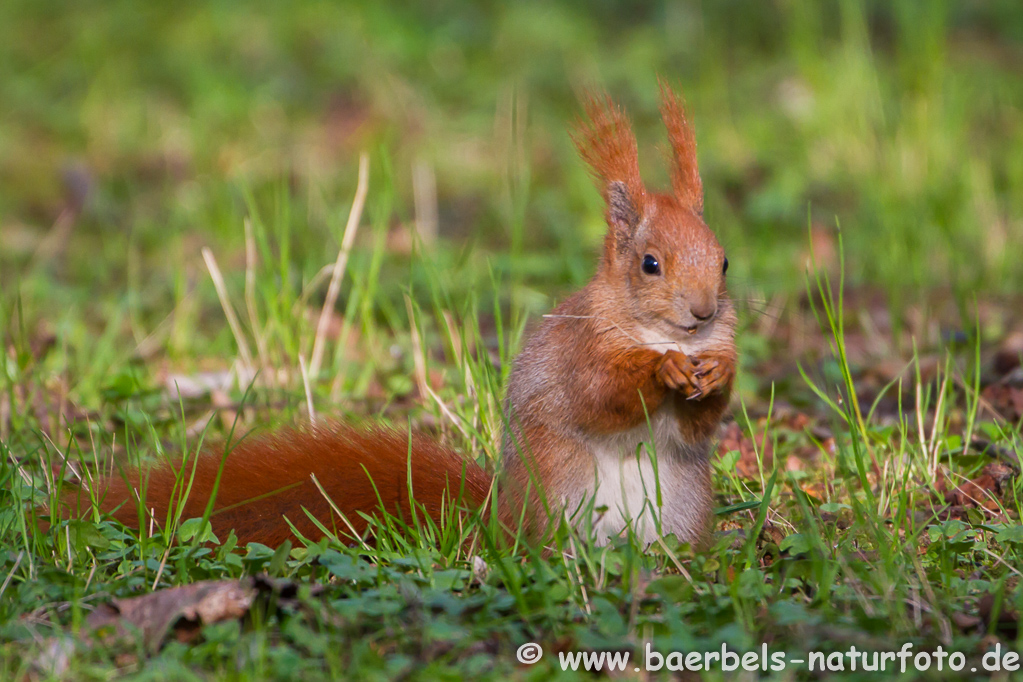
659	488
716	336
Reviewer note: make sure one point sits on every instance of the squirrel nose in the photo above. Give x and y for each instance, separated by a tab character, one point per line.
704	310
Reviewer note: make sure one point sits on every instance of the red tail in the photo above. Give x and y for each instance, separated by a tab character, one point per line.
269	478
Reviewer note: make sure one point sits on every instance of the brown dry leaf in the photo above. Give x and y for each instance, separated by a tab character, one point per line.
1007	621
731	439
178	611
981	491
772	532
1007	357
964	621
1006	399
816	491
747	466
953	512
1001	472
798	421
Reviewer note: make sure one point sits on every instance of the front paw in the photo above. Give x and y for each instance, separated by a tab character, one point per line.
713	372
678	372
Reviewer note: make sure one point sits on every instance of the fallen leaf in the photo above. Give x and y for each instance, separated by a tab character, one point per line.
182	611
797	421
1009	353
747	466
1007	621
178	611
816	491
1005	399
982	491
772	532
1001	472
965	621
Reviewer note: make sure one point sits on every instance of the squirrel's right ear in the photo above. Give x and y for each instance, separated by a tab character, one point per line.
606	142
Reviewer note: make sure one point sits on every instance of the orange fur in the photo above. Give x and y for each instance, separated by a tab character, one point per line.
269	478
685	176
606	143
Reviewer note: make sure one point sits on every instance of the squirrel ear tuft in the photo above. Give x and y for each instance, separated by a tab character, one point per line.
606	142
685	174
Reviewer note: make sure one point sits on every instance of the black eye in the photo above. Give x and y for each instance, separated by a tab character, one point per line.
724	268
650	265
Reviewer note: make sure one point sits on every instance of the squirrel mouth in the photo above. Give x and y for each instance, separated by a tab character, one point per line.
687	328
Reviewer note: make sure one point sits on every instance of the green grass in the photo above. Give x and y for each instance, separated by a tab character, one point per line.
133	136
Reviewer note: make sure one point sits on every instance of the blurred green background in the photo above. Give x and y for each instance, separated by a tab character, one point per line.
132	134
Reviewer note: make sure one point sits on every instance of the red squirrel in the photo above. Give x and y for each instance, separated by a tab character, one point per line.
644	353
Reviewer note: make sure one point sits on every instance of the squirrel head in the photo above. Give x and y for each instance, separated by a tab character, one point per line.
666	264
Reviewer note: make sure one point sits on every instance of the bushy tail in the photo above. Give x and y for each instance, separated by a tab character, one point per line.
269	478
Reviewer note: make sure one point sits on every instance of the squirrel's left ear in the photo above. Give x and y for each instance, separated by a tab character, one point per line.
685	175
